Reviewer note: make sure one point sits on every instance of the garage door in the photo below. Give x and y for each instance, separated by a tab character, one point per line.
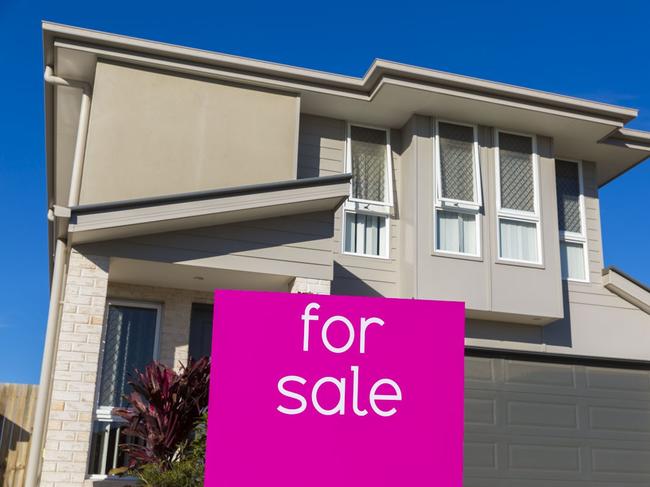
547	422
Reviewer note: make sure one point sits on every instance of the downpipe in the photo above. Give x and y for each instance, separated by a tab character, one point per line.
32	472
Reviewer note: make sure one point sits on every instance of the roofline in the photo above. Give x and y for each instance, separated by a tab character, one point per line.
364	86
629	139
618	271
211	194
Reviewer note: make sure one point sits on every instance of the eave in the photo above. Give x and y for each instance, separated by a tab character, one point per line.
626	287
122	219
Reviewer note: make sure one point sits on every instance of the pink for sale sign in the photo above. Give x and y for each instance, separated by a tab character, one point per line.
337	391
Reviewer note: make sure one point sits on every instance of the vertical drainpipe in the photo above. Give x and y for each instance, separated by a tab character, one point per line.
57	286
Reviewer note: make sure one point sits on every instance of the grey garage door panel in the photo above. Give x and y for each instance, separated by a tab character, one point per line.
530	423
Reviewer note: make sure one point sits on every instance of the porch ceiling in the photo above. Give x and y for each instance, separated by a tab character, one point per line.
181	276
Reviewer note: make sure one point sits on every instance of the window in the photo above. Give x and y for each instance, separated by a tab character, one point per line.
366	214
458	190
130	342
365	234
200	331
517	198
571	219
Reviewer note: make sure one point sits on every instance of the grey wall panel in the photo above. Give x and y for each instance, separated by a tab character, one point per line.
321	151
530	423
321	146
524	289
295	246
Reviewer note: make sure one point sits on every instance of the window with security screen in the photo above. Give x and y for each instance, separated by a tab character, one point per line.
367	212
458	190
573	238
518	222
568	196
457	162
517	187
130	343
369	164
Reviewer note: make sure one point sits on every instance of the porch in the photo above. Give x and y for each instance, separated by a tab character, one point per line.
135	291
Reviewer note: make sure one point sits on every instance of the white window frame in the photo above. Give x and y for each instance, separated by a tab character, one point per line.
385	252
519	215
367	207
389	168
573	237
104	414
449	204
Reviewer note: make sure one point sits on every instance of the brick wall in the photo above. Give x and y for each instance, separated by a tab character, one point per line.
310	286
87	290
67	438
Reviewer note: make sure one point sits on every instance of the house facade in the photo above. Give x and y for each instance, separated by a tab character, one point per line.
174	171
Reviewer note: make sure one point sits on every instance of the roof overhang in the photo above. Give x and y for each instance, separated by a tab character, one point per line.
110	221
388	94
627	288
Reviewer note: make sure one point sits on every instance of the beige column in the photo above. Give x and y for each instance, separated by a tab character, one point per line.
67	437
310	286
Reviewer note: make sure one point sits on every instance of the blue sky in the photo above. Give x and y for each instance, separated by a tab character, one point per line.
586	49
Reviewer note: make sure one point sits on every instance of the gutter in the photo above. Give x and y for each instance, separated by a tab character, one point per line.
57	286
627	288
318	181
157	54
615	269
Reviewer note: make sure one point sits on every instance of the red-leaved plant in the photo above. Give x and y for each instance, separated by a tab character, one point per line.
164	408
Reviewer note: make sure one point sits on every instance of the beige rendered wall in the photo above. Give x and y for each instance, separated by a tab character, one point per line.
322	152
153	133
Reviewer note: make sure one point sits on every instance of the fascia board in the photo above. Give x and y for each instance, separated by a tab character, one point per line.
122	221
290	75
627	288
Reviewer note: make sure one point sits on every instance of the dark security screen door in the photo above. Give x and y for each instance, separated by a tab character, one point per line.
130	342
200	331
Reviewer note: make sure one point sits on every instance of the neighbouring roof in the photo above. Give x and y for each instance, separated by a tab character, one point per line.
627	287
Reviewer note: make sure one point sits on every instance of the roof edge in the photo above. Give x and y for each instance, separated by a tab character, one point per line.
625	275
377	70
627	288
211	194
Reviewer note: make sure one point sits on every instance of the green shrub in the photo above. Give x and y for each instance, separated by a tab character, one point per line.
186	471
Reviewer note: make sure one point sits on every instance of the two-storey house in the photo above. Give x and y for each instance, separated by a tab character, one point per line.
174	171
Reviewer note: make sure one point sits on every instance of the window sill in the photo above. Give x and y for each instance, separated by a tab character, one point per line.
517	263
576	281
452	255
382	257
